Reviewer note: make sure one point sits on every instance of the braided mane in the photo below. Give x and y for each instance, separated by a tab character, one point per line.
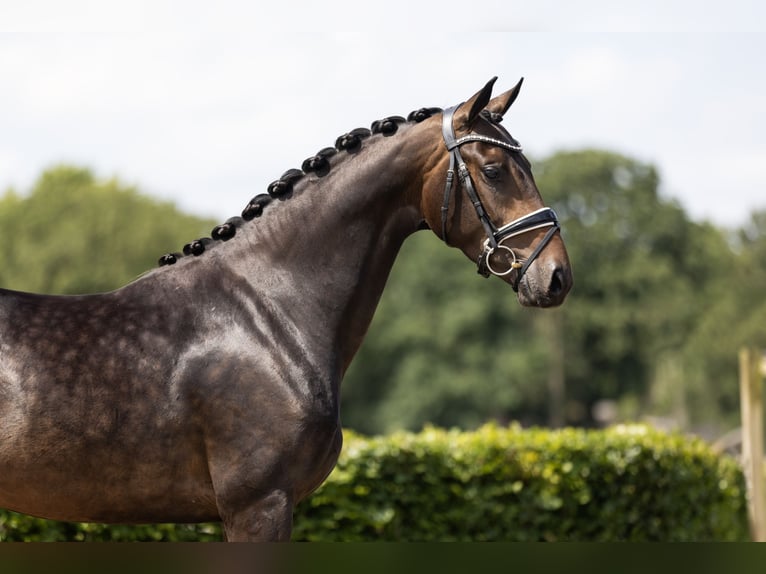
318	164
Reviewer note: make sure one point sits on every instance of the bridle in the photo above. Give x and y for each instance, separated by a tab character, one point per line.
544	217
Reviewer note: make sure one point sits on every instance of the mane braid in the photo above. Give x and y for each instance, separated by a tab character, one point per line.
318	164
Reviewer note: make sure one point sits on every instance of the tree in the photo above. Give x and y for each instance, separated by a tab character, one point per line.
734	316
643	272
449	348
76	234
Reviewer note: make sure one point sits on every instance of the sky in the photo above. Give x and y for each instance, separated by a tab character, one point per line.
206	103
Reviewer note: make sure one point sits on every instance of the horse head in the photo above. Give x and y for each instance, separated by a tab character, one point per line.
481	197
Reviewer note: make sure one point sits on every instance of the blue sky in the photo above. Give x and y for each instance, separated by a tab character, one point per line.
205	103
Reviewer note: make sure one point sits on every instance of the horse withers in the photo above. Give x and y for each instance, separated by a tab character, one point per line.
208	389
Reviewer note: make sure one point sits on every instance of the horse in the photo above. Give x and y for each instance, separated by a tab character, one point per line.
208	388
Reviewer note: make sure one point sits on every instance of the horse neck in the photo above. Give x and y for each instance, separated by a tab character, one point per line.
332	244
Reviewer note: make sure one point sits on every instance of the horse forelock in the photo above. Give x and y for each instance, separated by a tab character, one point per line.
319	165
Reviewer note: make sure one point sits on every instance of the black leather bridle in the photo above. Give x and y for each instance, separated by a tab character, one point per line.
541	218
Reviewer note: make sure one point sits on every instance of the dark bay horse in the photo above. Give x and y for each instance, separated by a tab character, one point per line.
208	389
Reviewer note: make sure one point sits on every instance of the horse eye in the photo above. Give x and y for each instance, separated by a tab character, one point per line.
491	172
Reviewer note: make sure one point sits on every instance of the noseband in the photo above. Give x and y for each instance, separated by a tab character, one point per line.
544	217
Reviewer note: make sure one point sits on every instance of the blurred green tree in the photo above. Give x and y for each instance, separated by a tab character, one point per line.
643	274
76	234
734	316
448	348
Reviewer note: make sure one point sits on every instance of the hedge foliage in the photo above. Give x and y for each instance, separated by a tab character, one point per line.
628	483
15	527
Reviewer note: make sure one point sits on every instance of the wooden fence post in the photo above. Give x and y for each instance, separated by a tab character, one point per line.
751	371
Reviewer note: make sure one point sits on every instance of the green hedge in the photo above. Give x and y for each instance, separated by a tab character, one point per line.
625	483
15	527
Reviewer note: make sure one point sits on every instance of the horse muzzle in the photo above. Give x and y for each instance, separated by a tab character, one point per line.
546	284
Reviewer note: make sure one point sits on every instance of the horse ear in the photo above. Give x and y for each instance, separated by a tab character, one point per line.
501	103
476	104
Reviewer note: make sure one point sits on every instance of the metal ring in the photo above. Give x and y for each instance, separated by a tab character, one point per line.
515	264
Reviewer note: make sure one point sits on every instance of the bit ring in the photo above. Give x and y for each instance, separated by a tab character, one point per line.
515	264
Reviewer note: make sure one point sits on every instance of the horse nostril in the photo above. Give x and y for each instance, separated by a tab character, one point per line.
558	281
